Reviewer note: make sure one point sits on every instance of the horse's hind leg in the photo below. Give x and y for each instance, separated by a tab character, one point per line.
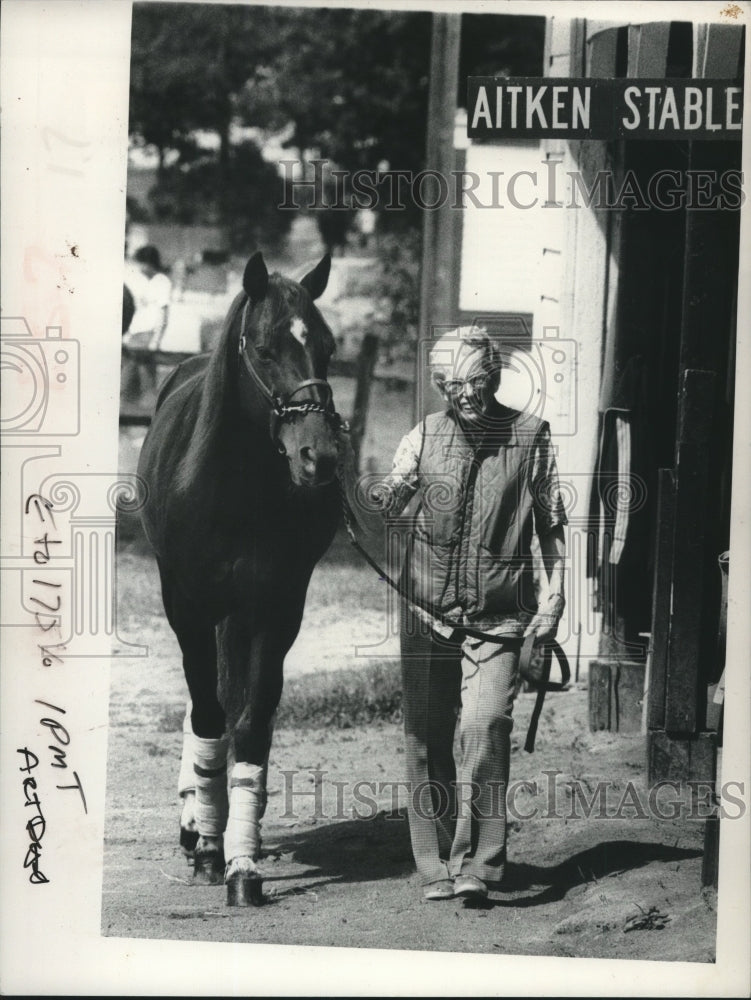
204	740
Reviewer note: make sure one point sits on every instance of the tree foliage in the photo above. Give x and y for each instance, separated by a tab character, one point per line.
354	83
243	197
189	62
500	45
349	84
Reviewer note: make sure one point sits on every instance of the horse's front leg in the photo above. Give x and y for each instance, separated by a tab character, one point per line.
203	769
257	658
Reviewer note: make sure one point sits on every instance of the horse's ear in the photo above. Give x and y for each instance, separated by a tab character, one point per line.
256	278
315	281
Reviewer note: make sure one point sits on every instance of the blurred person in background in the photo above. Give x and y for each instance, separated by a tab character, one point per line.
151	292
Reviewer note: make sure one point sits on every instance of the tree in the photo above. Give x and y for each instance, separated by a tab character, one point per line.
351	84
500	45
188	64
354	83
244	200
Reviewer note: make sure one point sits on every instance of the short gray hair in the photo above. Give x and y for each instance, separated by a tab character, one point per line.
448	352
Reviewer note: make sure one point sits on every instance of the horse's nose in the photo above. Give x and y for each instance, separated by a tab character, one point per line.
308	457
319	466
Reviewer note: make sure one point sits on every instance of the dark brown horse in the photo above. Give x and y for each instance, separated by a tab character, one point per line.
240	464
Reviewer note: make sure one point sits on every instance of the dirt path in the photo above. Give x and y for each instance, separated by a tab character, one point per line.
338	880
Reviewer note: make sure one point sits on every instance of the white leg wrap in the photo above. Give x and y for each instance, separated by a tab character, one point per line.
186	781
264	777
210	764
242	838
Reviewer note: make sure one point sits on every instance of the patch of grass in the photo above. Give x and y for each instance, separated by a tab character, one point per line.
171	719
343	698
340	699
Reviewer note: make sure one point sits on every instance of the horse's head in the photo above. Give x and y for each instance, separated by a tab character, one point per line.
285	347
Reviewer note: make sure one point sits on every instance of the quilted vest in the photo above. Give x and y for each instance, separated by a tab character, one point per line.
470	550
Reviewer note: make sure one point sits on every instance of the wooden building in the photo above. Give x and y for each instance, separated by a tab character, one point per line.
647	296
667	291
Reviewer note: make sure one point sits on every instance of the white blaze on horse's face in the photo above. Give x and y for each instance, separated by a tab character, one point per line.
299	330
282	312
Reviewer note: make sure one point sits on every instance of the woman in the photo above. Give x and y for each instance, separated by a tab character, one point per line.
486	481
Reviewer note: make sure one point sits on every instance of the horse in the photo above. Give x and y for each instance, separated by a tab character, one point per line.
240	470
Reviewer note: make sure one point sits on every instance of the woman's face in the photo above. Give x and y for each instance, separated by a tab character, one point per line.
471	386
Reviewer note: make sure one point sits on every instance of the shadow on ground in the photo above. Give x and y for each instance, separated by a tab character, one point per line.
369	850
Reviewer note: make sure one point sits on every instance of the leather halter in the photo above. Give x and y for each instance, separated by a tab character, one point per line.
281	406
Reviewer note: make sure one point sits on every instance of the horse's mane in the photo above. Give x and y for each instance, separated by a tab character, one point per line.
215	397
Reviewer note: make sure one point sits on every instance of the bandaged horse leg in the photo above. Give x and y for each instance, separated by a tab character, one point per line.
264	779
262	651
248	795
186	789
242	838
207	724
211	807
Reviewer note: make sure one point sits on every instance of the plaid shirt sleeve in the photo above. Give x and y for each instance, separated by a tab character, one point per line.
402	482
549	509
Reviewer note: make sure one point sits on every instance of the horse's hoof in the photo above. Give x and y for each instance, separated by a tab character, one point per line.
188	841
208	867
245	890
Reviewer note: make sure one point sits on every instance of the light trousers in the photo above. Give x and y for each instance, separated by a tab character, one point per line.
457	804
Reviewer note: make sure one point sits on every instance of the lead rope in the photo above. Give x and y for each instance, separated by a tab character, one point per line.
427	615
348	524
431	620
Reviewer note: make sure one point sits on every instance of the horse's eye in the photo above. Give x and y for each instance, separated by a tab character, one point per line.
264	354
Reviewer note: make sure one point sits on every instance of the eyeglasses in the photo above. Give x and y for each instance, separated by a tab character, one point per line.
477	384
